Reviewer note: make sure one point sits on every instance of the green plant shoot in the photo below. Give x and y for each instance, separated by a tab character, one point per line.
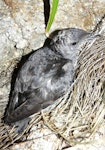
52	14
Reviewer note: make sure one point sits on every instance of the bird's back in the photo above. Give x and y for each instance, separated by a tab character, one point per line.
43	78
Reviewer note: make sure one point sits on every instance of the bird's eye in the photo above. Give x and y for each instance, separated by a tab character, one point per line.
74	43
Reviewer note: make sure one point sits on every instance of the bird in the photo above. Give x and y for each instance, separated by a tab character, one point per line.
46	75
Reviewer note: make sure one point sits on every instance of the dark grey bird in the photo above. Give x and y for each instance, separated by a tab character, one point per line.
46	75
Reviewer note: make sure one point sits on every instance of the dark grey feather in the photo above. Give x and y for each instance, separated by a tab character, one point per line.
46	75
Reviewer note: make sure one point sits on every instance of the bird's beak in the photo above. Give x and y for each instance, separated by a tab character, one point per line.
93	35
89	39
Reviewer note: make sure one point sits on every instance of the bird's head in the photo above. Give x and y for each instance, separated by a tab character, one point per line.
67	42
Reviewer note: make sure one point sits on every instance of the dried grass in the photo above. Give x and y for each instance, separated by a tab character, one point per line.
81	110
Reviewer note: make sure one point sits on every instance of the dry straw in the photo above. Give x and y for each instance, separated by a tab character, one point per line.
81	110
79	113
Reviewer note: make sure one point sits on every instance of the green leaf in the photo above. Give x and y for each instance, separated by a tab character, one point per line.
52	14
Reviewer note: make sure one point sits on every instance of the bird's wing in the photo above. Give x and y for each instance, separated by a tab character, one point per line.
27	97
26	109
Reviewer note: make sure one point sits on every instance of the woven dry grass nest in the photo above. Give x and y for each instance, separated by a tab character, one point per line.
78	114
81	111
